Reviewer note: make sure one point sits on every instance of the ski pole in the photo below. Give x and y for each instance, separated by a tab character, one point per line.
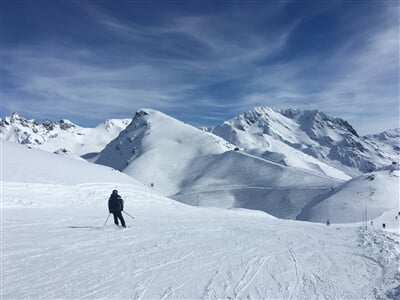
106	220
128	214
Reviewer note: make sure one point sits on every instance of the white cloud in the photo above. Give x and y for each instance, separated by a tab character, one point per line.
154	68
69	85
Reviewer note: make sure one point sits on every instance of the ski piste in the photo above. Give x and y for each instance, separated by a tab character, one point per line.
86	227
99	227
185	252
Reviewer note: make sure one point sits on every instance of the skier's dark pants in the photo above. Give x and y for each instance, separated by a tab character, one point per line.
118	215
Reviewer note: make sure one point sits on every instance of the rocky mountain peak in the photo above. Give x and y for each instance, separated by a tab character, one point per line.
329	139
15	116
66	124
49	125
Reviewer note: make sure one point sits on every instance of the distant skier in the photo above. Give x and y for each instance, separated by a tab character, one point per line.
116	206
328	223
384	225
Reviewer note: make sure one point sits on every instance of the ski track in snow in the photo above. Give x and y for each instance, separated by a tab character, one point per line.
173	251
198	253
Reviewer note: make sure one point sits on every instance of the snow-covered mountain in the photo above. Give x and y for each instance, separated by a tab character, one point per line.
57	242
22	164
333	141
62	137
302	139
156	148
199	168
388	141
377	192
237	179
52	181
278	161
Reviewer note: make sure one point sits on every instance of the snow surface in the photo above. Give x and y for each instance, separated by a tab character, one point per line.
21	164
171	250
199	168
331	141
54	245
156	148
182	252
378	192
62	137
388	141
240	180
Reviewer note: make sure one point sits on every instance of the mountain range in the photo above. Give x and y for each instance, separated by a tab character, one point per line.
332	140
55	224
279	161
62	137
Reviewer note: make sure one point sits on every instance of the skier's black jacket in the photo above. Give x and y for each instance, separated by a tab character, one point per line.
115	203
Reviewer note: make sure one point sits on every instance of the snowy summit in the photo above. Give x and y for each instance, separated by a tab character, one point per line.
206	210
160	150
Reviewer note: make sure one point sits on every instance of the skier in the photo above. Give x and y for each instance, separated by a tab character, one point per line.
116	206
328	223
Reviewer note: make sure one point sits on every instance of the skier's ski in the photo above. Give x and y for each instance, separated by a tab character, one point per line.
127	226
95	227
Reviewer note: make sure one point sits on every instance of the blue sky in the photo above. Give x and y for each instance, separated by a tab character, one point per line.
200	61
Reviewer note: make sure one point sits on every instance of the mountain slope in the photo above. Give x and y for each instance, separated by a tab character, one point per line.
236	179
20	164
378	192
62	137
199	168
172	250
189	253
330	140
388	141
37	178
156	148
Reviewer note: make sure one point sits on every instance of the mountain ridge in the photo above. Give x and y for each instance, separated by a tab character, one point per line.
314	139
62	137
257	160
331	140
196	167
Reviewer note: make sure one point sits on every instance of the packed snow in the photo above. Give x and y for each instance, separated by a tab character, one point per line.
57	241
170	250
177	252
376	192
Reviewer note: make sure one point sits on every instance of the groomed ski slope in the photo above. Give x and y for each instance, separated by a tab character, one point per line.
181	252
171	250
376	192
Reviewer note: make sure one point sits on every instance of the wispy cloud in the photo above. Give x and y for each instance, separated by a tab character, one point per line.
155	72
210	66
358	81
82	89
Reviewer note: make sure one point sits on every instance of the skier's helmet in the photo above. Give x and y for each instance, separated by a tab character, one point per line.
115	192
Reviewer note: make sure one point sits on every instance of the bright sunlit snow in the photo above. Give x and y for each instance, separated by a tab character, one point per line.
54	245
233	150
